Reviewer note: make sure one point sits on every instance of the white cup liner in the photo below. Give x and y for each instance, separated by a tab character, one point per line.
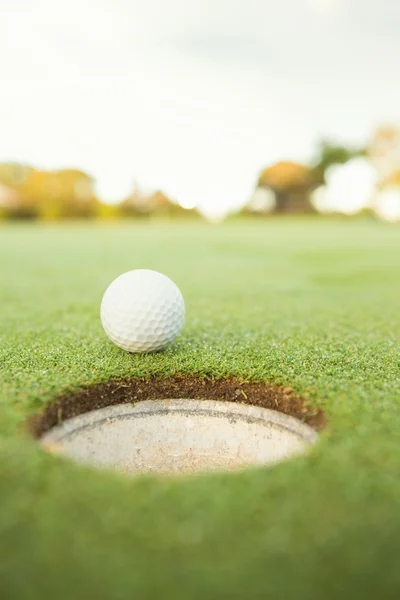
180	436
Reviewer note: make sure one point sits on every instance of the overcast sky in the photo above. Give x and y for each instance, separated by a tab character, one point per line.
192	97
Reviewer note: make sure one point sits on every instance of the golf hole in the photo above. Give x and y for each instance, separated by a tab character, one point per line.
179	436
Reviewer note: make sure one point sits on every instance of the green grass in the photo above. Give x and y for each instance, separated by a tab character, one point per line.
313	304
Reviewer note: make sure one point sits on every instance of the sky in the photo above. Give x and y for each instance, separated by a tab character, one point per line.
190	97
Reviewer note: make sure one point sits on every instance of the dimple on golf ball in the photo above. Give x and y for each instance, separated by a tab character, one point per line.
142	311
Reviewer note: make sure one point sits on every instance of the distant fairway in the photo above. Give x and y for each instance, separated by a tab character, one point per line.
310	304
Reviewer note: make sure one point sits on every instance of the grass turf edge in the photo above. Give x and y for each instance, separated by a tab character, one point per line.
120	391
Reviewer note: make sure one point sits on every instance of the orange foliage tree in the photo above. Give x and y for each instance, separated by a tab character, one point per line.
291	184
36	193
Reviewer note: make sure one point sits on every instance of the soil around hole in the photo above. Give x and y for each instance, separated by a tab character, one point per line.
279	398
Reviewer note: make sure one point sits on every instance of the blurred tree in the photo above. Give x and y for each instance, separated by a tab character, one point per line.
291	184
48	194
8	200
394	179
384	152
13	176
163	206
329	154
262	202
154	205
136	204
107	212
64	194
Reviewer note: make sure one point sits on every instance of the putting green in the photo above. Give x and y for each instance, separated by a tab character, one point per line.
311	304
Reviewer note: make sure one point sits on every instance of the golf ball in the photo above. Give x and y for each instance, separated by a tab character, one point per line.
142	311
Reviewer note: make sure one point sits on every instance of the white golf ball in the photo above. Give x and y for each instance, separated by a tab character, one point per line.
142	311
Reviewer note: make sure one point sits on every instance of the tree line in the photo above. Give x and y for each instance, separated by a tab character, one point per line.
31	193
291	185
